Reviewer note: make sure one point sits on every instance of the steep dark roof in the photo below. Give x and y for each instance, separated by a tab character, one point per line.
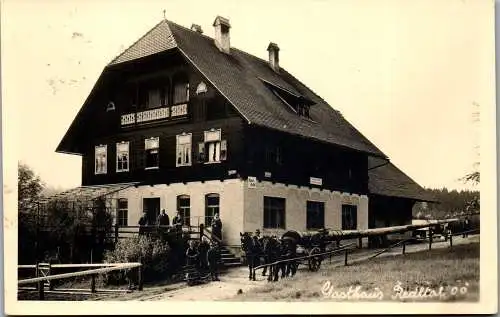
386	179
240	77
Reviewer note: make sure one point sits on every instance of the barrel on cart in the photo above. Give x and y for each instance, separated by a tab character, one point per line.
309	245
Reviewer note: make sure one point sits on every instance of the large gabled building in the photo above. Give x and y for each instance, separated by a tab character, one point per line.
195	125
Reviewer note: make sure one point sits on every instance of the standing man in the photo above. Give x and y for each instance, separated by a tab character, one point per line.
213	257
163	222
163	219
203	248
177	221
466	227
143	221
217	227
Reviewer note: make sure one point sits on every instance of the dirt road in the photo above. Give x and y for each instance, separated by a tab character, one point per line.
236	279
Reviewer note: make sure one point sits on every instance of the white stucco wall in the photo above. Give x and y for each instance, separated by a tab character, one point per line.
296	203
242	208
231	202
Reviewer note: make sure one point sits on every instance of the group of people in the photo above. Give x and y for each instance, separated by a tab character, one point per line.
265	250
203	256
162	221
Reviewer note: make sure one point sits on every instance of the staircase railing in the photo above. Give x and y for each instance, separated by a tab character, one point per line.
204	231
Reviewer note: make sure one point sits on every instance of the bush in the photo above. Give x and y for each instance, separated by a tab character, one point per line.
153	253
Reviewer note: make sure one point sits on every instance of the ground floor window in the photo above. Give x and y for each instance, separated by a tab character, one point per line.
211	207
274	212
184	208
349	217
122	216
315	215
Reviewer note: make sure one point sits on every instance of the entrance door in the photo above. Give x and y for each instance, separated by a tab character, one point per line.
151	206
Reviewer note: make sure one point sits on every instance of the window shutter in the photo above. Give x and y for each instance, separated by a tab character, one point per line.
223	150
201	152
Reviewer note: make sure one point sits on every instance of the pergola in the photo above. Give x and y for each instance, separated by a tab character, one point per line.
84	197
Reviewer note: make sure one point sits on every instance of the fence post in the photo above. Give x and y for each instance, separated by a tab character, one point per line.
430	238
360	242
92	283
404	247
451	240
345	258
40	284
51	285
140	276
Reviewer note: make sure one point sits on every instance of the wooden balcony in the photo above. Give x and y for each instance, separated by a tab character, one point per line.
154	115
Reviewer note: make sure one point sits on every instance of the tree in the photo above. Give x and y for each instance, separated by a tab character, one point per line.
29	188
473	178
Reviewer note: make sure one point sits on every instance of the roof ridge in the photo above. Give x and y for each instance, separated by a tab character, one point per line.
211	38
188	29
140	38
400	170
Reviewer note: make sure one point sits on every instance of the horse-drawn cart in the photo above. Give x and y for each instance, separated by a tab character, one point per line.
308	245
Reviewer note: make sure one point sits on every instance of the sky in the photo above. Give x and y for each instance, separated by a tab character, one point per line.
411	76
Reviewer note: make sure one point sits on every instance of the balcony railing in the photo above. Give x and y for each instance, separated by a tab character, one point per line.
163	113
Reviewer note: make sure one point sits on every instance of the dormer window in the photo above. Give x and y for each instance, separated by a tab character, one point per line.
302	110
295	102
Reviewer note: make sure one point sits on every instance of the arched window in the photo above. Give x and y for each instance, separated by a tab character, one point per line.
211	207
184	208
181	89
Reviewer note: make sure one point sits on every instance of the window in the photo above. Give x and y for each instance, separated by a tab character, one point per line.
315	215
274	212
165	94
154	98
302	110
184	208
122	157
213	150
274	155
299	104
349	217
183	150
101	158
152	147
181	90
211	207
122	217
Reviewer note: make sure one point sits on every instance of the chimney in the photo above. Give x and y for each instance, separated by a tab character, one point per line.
196	28
222	34
274	58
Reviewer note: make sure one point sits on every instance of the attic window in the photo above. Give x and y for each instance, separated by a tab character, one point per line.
110	106
296	102
302	110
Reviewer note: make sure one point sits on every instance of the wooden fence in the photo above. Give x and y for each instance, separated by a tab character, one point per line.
43	277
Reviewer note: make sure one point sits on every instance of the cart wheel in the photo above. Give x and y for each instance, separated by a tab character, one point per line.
315	262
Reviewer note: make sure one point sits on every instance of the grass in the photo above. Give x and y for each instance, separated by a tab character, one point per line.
447	268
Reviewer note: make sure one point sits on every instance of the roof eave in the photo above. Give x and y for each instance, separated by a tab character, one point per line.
372	153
